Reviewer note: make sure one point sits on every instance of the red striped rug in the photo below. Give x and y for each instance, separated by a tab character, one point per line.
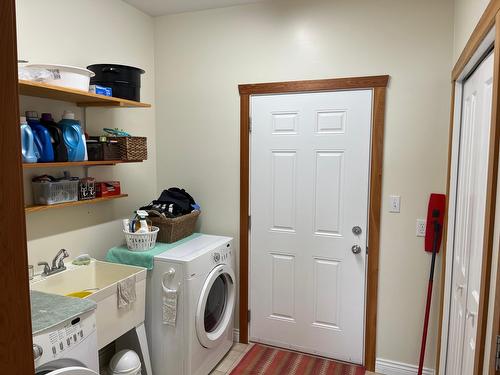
265	360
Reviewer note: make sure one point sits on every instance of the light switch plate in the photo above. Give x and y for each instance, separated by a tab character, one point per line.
395	203
420	229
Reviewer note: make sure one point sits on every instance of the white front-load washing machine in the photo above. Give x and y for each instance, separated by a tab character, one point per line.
200	275
68	348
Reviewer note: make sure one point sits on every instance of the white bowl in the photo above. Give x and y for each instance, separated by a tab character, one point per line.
68	76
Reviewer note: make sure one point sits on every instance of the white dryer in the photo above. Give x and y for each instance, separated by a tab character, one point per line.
68	348
202	272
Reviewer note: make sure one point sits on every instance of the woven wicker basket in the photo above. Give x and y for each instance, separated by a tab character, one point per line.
172	230
133	148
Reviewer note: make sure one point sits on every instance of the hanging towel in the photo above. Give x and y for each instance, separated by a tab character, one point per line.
126	292
169	306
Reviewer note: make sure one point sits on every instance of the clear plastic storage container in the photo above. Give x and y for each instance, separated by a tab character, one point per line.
55	192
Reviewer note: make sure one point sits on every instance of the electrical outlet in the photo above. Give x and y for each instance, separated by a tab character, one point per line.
395	203
420	230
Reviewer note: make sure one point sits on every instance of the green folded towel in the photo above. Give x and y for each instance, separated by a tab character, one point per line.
122	255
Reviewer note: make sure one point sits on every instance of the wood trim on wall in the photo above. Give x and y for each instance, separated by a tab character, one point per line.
15	317
244	212
350	83
377	146
496	324
491	198
378	84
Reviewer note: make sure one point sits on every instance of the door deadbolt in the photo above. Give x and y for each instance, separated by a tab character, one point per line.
356	230
356	249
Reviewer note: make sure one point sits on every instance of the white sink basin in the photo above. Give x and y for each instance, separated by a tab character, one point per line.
101	278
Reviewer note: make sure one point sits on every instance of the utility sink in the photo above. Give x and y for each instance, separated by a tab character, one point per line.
100	279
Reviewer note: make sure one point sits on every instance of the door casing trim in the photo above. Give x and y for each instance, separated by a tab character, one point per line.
379	85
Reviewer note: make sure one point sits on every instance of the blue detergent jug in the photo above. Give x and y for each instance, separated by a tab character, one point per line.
73	137
27	142
41	137
60	151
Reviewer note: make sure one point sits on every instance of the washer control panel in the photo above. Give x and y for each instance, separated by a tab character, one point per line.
222	254
57	341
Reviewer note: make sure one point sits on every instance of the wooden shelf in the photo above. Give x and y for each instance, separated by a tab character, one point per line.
77	164
37	208
81	98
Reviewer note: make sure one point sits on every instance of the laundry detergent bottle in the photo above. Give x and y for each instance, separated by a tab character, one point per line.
73	137
27	142
41	136
60	150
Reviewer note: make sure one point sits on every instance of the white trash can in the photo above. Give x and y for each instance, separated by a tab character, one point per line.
125	362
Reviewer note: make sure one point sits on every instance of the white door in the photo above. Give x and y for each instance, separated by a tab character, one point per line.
310	157
469	219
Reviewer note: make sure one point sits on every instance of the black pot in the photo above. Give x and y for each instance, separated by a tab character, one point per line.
125	81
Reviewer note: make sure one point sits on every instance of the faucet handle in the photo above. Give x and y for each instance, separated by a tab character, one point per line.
46	267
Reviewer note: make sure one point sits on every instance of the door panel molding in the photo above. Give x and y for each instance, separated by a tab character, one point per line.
376	83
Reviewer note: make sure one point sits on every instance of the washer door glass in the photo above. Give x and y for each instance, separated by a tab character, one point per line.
63	366
216	303
214	315
73	371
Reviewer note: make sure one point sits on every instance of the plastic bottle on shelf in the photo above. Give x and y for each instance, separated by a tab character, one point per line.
41	136
27	142
73	136
60	150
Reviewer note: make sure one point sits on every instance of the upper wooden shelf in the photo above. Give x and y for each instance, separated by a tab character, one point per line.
81	98
76	164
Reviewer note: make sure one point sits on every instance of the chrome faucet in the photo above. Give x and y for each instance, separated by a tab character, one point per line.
57	263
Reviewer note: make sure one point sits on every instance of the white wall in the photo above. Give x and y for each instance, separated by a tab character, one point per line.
467	15
82	32
201	57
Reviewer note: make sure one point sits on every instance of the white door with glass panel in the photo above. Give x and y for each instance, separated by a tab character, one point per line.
469	216
310	165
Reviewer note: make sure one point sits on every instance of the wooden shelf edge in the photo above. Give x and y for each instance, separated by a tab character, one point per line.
38	208
79	164
81	98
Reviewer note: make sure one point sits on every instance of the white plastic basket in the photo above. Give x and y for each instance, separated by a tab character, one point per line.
55	192
141	241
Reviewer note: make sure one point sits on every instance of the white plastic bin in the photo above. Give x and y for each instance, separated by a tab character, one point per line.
125	362
55	192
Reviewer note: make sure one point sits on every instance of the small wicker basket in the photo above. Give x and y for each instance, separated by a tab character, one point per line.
172	230
133	148
141	241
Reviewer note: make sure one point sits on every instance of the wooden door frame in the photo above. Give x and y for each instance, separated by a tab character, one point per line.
15	331
379	85
489	20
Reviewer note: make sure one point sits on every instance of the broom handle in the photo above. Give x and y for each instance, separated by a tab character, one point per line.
429	299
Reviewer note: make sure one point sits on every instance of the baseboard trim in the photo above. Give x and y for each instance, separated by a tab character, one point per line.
236	335
387	367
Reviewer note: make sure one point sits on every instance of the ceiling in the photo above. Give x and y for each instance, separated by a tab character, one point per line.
161	7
